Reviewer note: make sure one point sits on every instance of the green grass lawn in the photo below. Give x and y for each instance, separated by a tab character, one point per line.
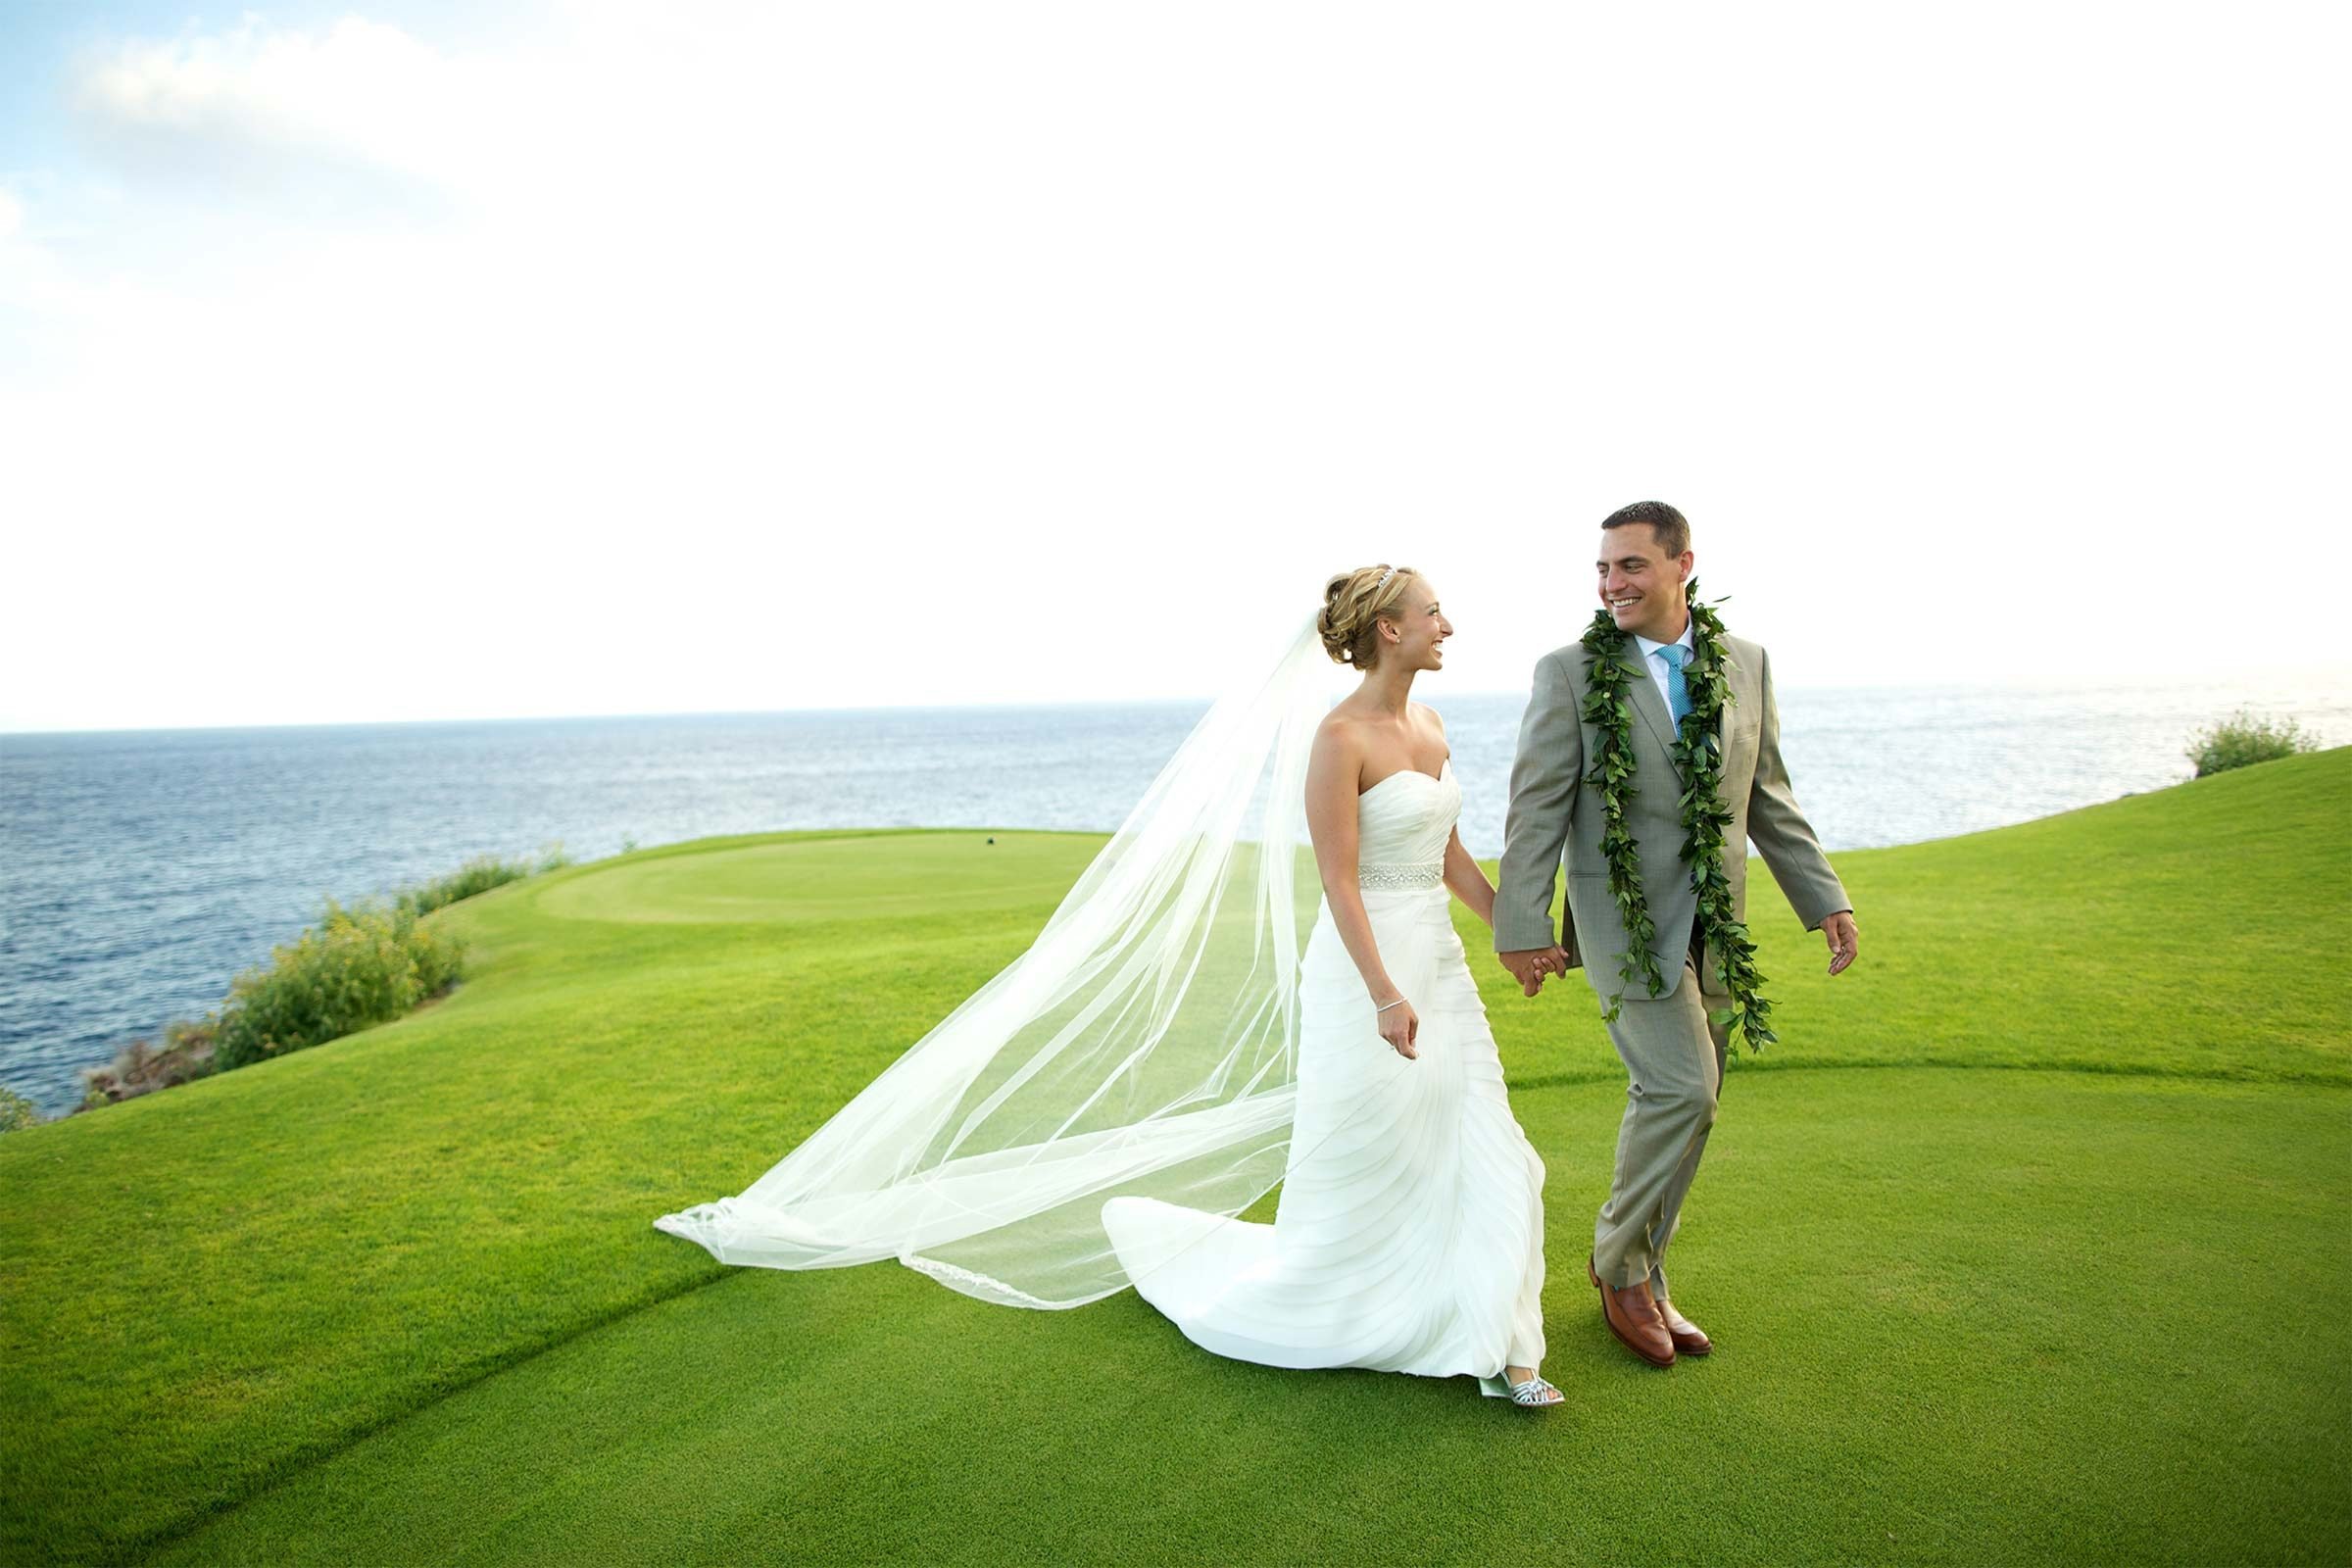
397	1298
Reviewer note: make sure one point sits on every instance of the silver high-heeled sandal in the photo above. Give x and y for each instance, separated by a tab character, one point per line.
1537	1392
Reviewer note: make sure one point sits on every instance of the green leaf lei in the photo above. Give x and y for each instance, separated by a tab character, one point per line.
1698	761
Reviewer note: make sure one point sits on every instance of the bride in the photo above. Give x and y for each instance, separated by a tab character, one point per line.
1169	1048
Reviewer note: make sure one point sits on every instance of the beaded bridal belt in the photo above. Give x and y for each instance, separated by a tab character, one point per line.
1425	875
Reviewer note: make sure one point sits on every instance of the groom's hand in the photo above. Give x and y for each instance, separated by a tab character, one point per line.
1530	965
1844	941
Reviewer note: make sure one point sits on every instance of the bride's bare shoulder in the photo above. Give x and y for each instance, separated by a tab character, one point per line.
1335	761
1340	729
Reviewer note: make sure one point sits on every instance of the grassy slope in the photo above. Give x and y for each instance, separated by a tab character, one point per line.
1963	1313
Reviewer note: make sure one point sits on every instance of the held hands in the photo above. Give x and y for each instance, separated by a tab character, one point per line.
1399	1025
1530	965
1844	940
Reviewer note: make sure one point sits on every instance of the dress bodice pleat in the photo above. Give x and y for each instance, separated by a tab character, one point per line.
1406	817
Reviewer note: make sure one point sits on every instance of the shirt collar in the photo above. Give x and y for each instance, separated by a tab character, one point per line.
1649	647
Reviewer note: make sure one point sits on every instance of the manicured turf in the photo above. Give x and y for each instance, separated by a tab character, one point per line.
397	1298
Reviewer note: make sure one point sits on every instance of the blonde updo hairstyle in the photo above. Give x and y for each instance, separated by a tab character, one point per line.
1353	602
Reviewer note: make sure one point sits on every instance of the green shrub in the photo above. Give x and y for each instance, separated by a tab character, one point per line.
358	967
2243	739
15	1110
478	875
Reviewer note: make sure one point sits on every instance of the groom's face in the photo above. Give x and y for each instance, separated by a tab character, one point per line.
1641	585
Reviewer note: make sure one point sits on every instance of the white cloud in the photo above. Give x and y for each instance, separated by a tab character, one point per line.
733	356
338	122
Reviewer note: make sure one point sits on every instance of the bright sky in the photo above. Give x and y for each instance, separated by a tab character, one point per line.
449	360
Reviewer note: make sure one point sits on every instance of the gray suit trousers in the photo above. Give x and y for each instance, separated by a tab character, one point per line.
1674	1058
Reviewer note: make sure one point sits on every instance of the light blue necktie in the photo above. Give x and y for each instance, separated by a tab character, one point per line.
1678	695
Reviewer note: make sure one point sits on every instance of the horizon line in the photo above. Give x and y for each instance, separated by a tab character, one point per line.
1985	683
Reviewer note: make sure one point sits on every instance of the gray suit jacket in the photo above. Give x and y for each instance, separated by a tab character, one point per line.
1551	808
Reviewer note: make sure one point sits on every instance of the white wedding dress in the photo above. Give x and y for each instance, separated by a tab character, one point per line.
1409	1232
1186	1033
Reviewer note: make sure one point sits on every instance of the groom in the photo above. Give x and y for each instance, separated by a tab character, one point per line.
1672	1046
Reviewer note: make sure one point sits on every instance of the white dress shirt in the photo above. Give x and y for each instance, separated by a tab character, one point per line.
1658	668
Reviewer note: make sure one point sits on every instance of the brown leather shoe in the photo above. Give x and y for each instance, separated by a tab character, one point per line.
1633	1316
1687	1340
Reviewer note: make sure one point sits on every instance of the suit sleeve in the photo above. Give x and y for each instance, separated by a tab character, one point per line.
1545	775
1778	828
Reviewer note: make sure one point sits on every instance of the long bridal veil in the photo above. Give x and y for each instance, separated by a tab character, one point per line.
1145	1045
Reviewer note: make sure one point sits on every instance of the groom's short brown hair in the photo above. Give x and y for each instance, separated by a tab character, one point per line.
1666	526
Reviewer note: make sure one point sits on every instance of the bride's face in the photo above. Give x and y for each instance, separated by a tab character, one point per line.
1421	629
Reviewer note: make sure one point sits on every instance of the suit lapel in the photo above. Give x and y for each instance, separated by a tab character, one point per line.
1647	700
1746	694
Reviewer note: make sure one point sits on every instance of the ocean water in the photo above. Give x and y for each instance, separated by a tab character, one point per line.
141	870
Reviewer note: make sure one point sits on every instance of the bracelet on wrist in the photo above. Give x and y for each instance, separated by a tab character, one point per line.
1386	1005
